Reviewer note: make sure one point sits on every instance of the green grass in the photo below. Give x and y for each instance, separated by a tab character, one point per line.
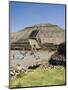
40	77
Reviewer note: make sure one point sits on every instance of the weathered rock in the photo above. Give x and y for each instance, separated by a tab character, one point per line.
17	70
62	49
58	58
34	66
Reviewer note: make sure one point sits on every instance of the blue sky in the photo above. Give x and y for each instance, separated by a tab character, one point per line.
27	14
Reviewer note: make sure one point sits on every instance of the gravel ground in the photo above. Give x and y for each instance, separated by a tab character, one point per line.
26	59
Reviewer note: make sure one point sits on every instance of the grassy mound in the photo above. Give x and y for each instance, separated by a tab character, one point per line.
40	77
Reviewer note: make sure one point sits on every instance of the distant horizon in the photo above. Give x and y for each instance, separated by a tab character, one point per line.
26	14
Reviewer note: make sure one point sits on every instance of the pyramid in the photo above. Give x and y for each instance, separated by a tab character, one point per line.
41	34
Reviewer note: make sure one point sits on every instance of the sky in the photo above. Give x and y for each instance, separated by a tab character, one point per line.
27	14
